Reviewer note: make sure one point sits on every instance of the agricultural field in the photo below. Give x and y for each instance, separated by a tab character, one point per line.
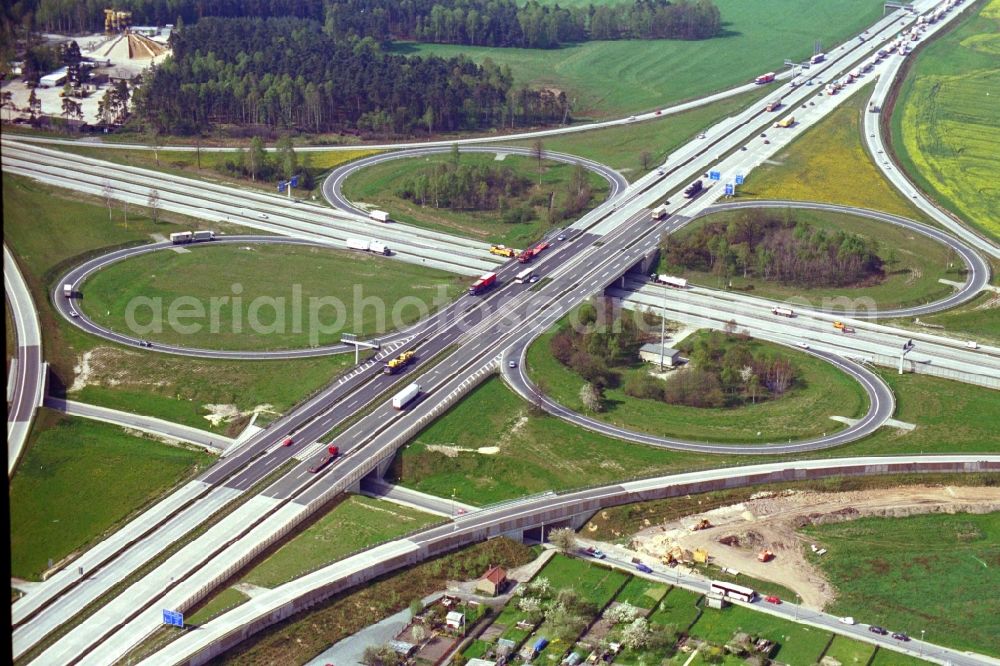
80	478
886	569
377	186
848	651
356	522
679	608
798	644
51	230
281	290
209	164
638	148
828	163
800	413
642	593
913	265
642	75
945	125
597	584
491	447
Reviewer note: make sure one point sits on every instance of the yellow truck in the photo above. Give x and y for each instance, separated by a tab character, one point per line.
398	363
503	251
786	122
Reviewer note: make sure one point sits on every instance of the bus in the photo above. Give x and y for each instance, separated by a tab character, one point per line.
523	276
732	591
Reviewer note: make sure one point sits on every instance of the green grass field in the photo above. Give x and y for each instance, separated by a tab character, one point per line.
597	584
911	279
356	522
798	644
186	163
849	652
946	125
928	573
376	185
679	608
281	292
828	163
979	320
890	658
802	412
50	230
622	147
642	593
534	453
223	601
639	75
79	478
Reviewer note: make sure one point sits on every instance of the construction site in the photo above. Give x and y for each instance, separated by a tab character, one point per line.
761	538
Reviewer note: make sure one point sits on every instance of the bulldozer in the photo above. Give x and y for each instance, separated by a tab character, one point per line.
702	524
765	556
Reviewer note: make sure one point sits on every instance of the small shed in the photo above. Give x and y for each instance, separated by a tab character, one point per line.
476	661
493	581
402	648
454	620
651	353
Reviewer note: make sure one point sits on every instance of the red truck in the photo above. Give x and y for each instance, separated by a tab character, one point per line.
764	78
483	283
331	453
531	253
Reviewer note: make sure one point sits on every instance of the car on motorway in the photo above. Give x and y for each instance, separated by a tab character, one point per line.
659	111
145	343
847	619
900	636
743	148
561	237
875	629
701	136
767	141
771	599
511	364
631	118
262	216
288	441
660	172
534	279
804	345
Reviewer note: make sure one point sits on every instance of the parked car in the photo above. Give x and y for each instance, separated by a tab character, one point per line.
875	629
596	553
643	568
900	636
847	619
771	599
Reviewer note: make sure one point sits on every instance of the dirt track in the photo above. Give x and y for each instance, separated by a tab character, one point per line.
770	520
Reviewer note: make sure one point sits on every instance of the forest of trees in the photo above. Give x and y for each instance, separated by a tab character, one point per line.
484	187
473	22
724	371
232	71
768	246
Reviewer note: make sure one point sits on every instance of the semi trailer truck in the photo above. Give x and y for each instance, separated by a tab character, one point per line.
406	396
483	283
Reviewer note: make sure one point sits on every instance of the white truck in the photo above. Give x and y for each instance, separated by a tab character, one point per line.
200	236
783	312
179	237
403	398
379	215
660	212
818	58
68	290
374	246
671	281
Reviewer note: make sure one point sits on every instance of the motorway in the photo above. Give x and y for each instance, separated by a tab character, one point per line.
227	630
29	371
468	356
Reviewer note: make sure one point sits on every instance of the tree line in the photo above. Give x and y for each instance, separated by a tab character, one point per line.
767	246
287	73
470	22
505	23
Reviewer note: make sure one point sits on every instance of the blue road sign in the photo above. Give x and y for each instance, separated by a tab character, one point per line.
173	618
739	179
281	185
715	175
729	189
294	181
